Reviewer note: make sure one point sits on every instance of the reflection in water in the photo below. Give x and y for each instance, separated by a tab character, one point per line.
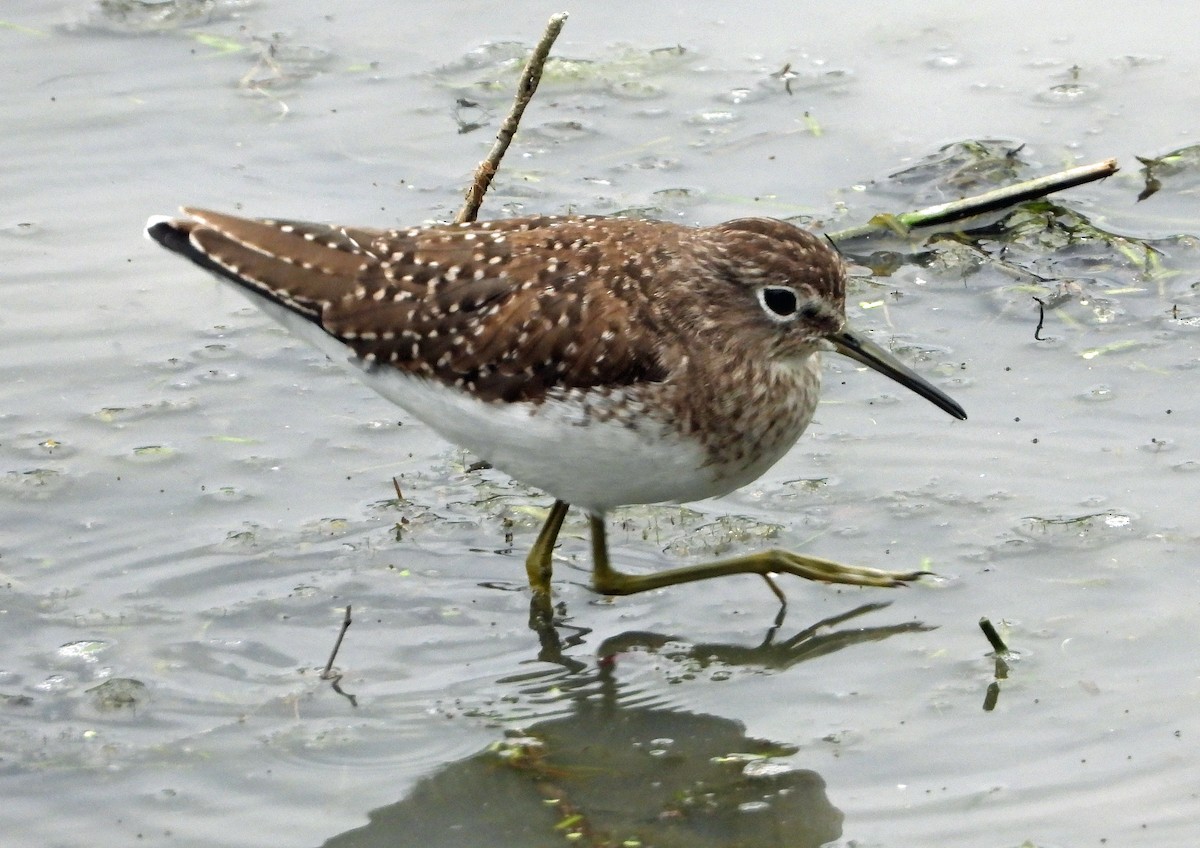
618	772
807	644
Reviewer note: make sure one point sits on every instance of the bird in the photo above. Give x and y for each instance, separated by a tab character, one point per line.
606	361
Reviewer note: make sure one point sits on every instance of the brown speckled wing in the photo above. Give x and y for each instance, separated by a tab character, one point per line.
509	310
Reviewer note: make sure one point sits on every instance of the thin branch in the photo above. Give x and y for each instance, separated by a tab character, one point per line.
989	630
989	201
335	677
328	672
528	84
1037	333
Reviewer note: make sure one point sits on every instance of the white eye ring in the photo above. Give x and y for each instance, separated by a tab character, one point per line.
781	303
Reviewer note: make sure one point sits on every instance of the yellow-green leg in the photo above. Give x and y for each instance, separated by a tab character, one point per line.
538	564
608	581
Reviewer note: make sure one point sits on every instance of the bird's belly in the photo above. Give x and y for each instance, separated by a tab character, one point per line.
554	446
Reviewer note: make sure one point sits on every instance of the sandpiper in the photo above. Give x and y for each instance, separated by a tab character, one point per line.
606	361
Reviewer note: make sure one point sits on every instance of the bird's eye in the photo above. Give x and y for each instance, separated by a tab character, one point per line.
780	302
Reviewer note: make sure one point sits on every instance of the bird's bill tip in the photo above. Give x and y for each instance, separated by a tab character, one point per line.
851	344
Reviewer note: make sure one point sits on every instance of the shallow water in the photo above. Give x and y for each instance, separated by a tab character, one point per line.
189	498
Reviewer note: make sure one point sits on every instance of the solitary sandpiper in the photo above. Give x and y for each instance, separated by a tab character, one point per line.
607	361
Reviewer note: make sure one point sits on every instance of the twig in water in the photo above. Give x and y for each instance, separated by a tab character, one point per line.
335	677
328	673
528	84
1000	650
989	201
1037	333
989	630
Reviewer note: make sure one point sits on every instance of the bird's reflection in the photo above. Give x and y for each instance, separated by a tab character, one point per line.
618	770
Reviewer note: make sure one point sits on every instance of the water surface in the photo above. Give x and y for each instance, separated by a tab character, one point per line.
189	498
